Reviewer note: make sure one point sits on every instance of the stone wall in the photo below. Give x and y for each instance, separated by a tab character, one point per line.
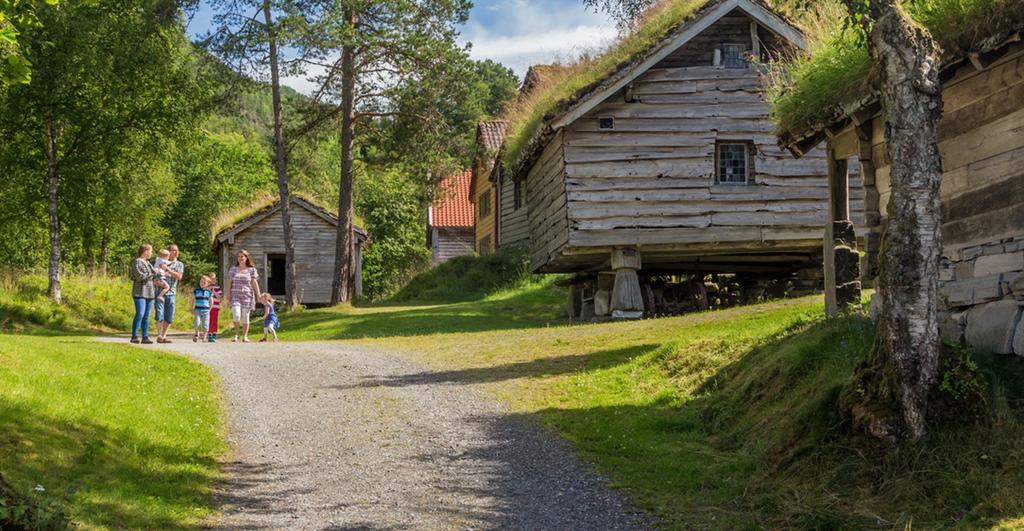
983	296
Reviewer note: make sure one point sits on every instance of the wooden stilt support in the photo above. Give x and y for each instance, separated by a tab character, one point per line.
627	300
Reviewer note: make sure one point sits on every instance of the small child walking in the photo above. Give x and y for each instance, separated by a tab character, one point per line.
214	308
270	321
201	310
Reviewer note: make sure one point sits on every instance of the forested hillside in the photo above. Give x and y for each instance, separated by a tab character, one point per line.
152	145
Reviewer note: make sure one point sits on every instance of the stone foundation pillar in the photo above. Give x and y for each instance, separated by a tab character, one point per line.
842	267
627	300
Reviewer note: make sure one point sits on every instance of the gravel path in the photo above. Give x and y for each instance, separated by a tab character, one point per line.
338	436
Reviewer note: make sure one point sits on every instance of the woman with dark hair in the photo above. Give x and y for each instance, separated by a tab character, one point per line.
143	292
242	291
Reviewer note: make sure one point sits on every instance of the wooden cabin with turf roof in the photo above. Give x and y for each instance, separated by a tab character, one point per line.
258	229
484	192
655	165
981	142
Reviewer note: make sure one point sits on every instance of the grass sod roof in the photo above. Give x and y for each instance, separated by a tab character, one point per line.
562	87
834	77
261	204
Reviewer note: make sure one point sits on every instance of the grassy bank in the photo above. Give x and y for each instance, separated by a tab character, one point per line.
725	419
90	304
119	437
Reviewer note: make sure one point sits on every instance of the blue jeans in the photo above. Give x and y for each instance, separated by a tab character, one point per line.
141	321
165	309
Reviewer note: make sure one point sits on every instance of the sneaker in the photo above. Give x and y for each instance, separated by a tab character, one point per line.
146	341
211	340
234	339
134	339
264	340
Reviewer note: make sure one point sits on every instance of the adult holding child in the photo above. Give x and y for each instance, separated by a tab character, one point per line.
173	271
143	292
242	291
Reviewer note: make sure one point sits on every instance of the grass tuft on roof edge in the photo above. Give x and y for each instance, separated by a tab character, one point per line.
813	88
563	86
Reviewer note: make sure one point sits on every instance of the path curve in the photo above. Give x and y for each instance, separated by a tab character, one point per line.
328	435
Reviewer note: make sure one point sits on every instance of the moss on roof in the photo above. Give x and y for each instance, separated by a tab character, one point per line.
820	86
230	217
562	87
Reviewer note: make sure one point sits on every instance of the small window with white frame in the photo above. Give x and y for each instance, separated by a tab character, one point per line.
733	162
734	55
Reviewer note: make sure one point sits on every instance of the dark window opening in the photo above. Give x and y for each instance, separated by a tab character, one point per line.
275	274
606	122
517	194
733	56
485	245
483	204
733	162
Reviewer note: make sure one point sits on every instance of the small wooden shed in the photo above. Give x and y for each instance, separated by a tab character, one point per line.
981	142
451	230
668	166
261	233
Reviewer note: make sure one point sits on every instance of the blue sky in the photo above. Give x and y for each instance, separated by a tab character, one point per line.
516	33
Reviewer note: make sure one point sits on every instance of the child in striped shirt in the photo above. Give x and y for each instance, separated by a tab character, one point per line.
201	310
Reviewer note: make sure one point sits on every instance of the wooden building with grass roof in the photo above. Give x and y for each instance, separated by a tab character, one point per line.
981	142
258	229
657	160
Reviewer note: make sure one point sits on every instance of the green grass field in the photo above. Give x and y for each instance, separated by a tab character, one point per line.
726	419
120	437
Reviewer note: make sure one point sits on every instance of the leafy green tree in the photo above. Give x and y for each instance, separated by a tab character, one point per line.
214	172
370	50
390	205
254	45
110	82
16	16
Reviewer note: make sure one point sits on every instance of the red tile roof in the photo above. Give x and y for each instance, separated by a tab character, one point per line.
451	206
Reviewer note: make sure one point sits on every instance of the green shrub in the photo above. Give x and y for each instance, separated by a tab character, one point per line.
469	277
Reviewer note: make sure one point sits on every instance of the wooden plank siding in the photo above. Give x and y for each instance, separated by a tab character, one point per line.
513	224
486	226
981	139
314	252
449	242
650	181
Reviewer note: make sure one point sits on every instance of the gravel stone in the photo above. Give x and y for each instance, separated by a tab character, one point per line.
339	436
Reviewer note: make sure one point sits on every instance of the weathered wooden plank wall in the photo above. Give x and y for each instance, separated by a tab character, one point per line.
982	144
651	179
449	242
314	252
514	227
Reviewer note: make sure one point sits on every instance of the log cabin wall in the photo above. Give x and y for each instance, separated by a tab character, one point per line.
982	145
448	242
513	225
314	252
648	178
548	222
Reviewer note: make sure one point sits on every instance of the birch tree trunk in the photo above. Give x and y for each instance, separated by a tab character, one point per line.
53	197
343	285
889	398
291	294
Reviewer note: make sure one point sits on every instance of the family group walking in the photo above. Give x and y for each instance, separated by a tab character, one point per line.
155	287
